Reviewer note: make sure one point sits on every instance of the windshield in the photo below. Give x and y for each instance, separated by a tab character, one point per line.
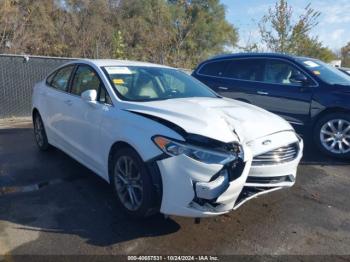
136	83
327	73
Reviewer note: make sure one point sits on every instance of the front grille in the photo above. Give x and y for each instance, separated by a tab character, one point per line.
278	156
270	180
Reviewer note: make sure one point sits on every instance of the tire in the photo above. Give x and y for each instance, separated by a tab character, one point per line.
40	133
135	184
332	135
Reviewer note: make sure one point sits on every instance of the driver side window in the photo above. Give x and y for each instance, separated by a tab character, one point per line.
85	78
280	72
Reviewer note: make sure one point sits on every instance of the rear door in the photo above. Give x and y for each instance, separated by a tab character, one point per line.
236	78
56	97
242	78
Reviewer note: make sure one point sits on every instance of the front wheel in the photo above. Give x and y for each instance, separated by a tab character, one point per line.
132	184
332	135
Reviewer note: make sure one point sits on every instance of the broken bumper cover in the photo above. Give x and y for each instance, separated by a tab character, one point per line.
266	178
277	173
195	189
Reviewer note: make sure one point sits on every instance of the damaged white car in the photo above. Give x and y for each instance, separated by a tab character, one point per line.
164	141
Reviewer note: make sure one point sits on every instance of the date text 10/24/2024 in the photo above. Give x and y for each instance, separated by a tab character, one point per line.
173	258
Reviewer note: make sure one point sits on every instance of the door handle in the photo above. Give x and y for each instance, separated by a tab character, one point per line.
263	93
223	88
68	102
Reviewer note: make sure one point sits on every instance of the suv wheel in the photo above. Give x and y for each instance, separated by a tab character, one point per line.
332	135
40	133
132	184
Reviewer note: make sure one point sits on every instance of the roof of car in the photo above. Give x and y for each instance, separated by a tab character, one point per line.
236	55
115	62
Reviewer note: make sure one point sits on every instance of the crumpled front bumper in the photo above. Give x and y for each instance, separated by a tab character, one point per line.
195	189
266	178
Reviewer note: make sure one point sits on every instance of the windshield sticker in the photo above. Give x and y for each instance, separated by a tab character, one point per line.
118	81
317	72
118	70
311	64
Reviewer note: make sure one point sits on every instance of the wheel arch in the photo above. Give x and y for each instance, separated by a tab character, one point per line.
327	111
151	165
35	111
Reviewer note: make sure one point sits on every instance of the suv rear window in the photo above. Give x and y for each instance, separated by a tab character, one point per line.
214	68
245	69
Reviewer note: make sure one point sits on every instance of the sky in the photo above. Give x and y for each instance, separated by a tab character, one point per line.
333	28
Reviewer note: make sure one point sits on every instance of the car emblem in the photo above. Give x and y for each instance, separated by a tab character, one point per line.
266	142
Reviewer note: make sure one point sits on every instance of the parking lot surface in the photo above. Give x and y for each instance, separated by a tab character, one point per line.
50	204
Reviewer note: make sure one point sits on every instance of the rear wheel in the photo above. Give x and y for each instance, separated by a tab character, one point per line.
40	133
132	184
332	135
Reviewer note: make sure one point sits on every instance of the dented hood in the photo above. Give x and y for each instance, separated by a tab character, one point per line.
222	119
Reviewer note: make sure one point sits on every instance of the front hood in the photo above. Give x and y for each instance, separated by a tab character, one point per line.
217	118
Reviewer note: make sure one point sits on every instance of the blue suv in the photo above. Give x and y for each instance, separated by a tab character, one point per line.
310	94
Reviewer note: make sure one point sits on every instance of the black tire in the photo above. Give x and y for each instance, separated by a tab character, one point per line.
147	206
321	135
40	133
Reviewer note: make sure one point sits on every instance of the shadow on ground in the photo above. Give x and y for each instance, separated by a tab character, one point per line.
54	193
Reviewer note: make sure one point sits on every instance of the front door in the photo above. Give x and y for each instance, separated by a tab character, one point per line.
85	118
279	94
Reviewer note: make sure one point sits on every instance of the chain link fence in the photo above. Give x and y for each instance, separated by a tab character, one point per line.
18	74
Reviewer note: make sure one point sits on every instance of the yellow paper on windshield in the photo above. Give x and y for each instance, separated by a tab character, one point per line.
317	72
118	81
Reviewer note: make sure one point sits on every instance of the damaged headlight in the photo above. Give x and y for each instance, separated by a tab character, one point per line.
175	148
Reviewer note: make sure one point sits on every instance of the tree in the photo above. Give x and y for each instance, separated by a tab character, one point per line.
280	34
195	30
345	55
118	45
173	32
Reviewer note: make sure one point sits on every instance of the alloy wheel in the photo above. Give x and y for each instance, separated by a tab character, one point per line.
335	136
128	183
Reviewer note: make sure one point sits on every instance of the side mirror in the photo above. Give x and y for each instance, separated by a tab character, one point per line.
299	79
89	95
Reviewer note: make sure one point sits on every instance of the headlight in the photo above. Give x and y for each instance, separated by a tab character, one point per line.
203	155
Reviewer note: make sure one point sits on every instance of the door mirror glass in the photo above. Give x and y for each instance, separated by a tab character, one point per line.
89	95
298	79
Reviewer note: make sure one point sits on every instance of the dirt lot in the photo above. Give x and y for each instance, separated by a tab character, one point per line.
50	204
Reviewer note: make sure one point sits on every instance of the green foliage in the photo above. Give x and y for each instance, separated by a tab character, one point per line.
280	34
118	45
345	55
174	32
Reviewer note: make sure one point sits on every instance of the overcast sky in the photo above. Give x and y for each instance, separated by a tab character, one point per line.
333	29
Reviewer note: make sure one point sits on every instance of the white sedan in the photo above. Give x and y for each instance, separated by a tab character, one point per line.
164	141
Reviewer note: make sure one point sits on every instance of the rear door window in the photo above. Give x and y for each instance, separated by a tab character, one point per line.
214	68
245	69
60	80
